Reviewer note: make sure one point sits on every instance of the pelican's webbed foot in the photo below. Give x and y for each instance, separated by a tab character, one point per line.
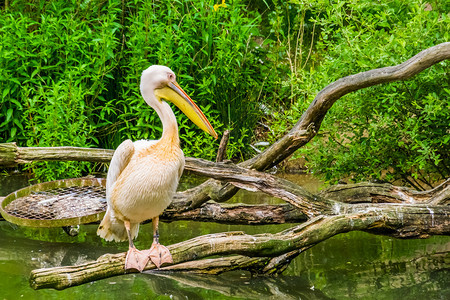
159	255
136	259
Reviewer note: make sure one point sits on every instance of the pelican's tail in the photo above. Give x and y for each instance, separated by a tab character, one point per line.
112	229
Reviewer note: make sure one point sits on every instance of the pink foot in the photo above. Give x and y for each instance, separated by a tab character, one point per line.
137	259
159	255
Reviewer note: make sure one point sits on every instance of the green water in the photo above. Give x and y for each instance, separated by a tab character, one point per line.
355	265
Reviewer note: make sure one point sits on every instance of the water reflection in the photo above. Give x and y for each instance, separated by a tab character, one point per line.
234	284
11	183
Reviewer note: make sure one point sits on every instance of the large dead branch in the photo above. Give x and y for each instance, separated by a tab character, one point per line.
339	197
11	154
252	180
387	193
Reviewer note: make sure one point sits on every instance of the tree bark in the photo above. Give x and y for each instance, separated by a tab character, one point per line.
12	155
242	214
387	193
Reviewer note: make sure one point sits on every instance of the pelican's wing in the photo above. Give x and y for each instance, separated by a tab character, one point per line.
181	168
119	161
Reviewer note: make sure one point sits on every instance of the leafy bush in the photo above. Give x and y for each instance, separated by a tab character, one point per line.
70	72
396	131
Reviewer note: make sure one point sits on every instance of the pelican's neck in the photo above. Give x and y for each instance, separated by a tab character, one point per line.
167	117
169	123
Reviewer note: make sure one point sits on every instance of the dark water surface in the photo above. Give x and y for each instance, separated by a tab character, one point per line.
355	265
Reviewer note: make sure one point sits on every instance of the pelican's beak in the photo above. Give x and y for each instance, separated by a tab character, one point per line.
175	94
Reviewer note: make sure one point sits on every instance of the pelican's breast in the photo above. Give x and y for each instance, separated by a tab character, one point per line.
147	185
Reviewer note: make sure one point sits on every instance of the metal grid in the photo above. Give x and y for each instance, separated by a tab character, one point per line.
60	203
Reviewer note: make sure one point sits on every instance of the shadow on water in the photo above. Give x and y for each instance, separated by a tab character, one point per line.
355	265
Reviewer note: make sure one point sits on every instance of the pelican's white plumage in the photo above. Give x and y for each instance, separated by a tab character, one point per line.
143	176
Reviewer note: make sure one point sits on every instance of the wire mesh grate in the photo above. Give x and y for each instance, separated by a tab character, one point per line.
59	203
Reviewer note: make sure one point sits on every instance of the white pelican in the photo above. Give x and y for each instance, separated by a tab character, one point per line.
144	175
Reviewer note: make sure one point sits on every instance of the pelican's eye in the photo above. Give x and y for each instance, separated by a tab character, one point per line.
171	76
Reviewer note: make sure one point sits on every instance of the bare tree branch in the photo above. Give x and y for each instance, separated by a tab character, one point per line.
387	193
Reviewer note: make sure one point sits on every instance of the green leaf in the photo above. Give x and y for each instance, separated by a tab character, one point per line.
13	132
9	113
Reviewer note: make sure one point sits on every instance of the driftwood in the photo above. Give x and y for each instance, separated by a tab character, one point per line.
376	208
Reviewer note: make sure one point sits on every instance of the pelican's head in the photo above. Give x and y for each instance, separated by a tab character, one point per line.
161	81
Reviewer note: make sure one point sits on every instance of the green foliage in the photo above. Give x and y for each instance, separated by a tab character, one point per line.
388	132
51	75
70	72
